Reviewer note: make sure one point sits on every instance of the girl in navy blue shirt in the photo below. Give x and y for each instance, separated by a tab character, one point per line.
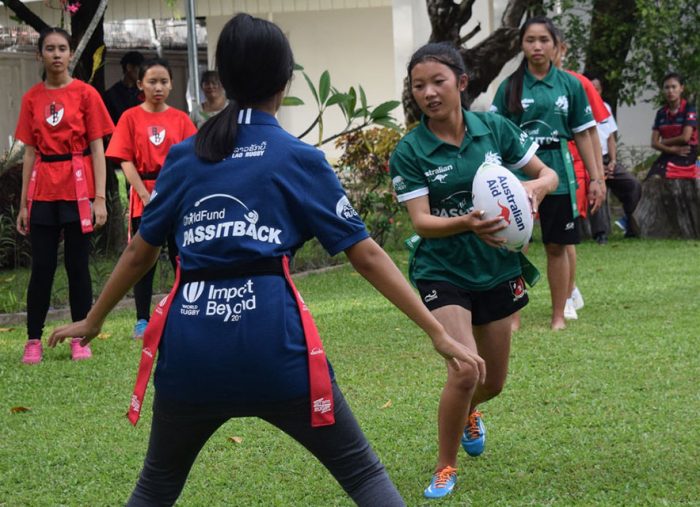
240	199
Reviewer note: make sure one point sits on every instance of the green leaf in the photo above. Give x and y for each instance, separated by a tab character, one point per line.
363	98
311	87
324	87
386	122
338	98
298	67
292	101
383	109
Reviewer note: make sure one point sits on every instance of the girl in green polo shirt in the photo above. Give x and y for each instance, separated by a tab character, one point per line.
471	284
551	106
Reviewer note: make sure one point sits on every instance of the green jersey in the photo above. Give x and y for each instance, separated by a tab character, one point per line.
423	165
554	108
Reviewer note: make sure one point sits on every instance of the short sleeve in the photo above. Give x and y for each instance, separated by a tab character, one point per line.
328	214
24	132
580	116
98	123
600	112
408	180
160	215
499	101
188	127
517	147
121	145
657	119
691	116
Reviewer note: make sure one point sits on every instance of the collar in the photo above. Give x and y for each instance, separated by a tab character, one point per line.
430	143
529	80
249	116
681	108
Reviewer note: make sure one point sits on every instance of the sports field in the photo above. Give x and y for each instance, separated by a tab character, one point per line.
604	413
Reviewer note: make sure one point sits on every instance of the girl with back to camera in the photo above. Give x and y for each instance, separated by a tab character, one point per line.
551	106
140	143
241	198
470	284
61	123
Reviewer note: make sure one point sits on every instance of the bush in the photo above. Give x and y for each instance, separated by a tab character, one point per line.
363	168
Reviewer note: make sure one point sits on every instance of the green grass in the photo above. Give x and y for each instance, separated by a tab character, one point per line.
603	413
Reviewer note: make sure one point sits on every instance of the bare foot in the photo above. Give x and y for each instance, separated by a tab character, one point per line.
558	324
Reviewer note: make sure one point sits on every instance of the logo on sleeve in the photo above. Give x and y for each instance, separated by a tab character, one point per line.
54	113
344	209
156	134
492	157
562	103
523	138
399	184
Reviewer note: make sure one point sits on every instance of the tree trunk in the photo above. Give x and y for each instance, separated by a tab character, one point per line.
613	25
669	208
485	60
79	24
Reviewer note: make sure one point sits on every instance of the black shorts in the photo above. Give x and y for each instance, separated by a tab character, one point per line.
557	221
485	305
54	213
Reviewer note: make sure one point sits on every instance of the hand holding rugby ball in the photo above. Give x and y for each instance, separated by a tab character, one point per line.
498	192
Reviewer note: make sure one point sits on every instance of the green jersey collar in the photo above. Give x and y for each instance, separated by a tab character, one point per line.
430	143
530	80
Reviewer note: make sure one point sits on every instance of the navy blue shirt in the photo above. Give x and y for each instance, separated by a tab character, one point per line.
241	339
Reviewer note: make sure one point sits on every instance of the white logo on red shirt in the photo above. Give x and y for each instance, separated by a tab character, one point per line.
54	113
156	134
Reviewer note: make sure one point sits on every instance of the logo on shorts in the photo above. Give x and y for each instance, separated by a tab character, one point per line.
517	288
322	405
569	226
156	134
54	113
431	297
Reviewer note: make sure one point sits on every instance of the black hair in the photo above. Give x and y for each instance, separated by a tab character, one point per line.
514	85
53	29
255	62
209	76
131	58
673	75
154	62
444	53
592	75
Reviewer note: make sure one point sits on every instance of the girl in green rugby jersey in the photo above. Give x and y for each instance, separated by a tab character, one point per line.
551	106
468	282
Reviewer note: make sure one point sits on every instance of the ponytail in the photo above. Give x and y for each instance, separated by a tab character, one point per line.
514	89
217	137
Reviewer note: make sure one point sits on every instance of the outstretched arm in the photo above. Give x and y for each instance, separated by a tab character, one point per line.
376	266
136	260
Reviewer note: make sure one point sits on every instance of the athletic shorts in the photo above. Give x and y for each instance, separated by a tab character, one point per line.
54	213
485	305
557	221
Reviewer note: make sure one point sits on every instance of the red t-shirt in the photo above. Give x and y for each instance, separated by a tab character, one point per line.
57	122
144	138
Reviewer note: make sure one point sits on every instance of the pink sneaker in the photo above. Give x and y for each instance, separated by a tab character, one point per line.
77	351
32	352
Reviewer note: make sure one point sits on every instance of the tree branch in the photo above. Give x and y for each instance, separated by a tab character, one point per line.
25	14
471	34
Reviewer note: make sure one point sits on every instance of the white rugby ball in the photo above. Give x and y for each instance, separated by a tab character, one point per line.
498	192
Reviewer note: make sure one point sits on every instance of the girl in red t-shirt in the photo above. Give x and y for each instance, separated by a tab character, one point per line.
141	141
61	123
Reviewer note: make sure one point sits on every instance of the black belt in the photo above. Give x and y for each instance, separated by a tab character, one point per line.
149	176
549	146
62	157
268	266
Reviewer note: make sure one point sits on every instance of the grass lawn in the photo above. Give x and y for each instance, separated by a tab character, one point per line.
603	413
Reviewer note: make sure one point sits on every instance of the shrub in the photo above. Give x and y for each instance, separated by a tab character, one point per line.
363	168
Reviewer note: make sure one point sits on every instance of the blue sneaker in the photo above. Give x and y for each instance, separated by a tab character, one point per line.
140	329
442	483
622	223
474	436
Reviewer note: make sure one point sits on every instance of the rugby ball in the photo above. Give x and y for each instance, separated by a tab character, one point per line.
498	192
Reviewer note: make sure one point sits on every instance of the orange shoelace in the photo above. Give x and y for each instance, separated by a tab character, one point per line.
472	425
443	476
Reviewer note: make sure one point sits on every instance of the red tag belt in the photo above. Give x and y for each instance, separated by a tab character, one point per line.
322	408
81	191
